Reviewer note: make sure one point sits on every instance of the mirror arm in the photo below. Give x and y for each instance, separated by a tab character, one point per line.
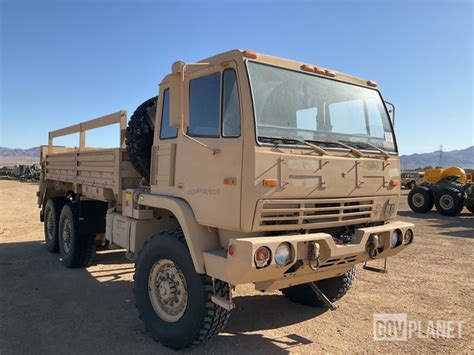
393	111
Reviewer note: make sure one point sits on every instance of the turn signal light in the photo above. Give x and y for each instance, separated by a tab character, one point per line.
262	257
408	236
250	54
229	181
270	182
394	182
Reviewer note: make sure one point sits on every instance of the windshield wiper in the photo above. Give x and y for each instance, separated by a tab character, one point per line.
315	147
353	150
276	139
384	152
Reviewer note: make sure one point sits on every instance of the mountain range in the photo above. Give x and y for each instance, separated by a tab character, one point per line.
463	158
9	156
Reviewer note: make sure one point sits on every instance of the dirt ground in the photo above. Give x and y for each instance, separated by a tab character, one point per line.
46	308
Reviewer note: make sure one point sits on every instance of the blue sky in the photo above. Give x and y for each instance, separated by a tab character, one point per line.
63	62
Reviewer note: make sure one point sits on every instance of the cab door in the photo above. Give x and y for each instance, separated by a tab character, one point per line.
209	154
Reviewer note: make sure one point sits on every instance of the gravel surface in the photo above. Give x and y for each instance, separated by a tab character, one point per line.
46	308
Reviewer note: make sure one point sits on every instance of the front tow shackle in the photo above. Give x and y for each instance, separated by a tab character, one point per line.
372	246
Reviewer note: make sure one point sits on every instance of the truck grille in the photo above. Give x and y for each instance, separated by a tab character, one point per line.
312	213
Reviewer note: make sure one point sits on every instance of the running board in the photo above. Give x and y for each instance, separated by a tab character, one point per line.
222	302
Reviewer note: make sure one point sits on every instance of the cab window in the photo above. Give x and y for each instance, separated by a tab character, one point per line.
230	105
166	131
204	106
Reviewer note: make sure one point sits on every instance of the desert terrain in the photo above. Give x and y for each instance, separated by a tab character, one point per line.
46	308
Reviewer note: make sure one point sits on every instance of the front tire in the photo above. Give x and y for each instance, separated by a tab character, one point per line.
334	288
173	301
420	199
76	248
449	202
470	208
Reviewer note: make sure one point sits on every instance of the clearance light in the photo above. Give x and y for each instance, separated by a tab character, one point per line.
262	257
307	67
330	73
372	83
319	70
250	54
270	182
232	249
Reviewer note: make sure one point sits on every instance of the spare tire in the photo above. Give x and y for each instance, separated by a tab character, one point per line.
139	136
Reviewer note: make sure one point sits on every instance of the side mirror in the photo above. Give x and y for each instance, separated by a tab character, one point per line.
176	94
391	111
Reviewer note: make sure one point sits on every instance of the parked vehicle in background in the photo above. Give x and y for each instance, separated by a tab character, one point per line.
411	179
437	174
450	194
246	168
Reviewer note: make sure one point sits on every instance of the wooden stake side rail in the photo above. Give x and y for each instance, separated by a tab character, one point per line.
81	128
95	173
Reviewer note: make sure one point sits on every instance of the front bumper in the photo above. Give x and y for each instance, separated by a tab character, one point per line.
335	259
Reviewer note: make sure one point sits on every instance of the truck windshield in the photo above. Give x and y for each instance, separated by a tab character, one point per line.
293	104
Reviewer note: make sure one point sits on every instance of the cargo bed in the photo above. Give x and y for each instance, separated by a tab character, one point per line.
96	173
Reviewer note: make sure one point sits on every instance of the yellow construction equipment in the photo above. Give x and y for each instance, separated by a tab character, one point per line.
434	175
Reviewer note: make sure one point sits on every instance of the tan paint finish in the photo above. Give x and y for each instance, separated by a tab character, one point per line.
335	259
188	174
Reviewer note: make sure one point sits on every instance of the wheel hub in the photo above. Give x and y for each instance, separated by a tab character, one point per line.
418	199
167	290
446	202
49	225
67	236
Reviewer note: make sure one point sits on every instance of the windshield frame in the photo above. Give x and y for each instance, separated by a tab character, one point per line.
257	141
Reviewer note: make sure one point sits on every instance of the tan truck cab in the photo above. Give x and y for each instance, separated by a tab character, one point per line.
263	170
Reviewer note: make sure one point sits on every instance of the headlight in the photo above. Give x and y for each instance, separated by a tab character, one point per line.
395	238
283	254
262	257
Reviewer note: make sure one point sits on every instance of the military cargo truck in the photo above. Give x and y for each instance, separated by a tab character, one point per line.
246	168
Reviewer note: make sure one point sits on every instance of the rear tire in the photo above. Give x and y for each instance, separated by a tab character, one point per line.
52	212
76	248
420	199
334	288
173	301
449	202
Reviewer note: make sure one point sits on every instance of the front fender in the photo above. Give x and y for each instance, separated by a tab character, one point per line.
199	239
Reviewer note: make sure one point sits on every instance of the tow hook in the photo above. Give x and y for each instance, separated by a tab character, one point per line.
372	246
313	255
322	296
